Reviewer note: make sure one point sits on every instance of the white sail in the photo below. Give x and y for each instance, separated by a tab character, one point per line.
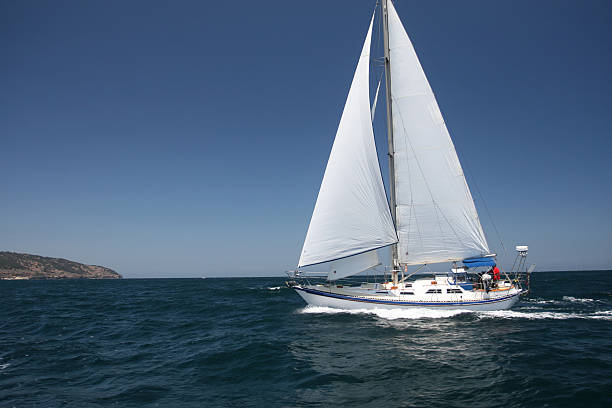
352	265
436	219
351	215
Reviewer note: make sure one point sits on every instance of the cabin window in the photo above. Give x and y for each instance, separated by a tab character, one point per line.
382	291
407	293
453	290
434	291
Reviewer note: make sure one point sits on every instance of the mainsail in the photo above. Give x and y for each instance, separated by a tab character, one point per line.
351	215
436	219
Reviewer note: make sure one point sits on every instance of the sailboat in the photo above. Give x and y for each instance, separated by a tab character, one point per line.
429	216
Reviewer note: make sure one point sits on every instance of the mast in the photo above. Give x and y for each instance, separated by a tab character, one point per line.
385	19
435	216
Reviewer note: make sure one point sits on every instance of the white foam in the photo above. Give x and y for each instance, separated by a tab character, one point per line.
513	314
389	314
421	313
394	314
3	366
560	302
543	302
274	288
603	315
573	299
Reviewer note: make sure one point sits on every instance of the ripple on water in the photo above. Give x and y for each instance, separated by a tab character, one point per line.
252	342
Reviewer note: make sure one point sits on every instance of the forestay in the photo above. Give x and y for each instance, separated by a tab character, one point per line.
351	215
436	216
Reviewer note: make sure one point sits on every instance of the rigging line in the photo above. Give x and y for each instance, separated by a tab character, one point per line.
475	184
419	235
374	46
372	117
373	42
380	23
437	206
413	210
371	70
382	181
410	274
466	190
373	109
425	180
487	210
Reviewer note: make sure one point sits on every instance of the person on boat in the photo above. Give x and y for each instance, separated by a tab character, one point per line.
486	278
496	273
479	283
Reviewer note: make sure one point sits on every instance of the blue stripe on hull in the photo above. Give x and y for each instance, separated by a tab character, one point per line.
391	302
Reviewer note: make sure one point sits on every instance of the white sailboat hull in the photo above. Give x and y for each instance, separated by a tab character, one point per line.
333	300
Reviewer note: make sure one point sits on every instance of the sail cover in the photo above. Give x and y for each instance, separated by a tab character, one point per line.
351	215
483	261
436	219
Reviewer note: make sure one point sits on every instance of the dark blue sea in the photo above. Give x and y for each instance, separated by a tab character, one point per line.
251	342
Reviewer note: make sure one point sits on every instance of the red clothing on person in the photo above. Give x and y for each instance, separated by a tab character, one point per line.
496	274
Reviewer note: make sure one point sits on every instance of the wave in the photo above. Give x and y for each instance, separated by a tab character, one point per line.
389	314
542	301
603	315
258	288
564	300
581	300
513	314
393	314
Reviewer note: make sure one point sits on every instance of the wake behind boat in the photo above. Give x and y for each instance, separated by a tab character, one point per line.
430	216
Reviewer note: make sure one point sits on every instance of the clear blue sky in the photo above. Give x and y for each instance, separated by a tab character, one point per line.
189	138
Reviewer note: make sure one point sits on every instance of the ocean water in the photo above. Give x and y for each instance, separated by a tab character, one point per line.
252	343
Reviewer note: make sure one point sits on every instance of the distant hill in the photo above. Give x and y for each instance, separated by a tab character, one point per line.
27	266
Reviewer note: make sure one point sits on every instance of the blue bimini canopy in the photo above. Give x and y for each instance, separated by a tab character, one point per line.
473	262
